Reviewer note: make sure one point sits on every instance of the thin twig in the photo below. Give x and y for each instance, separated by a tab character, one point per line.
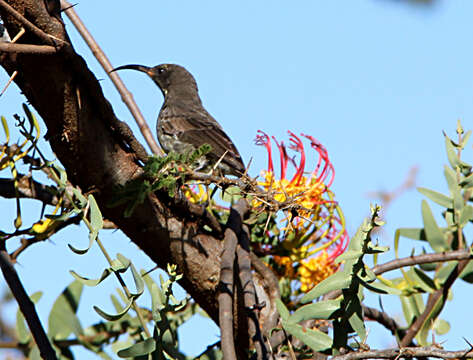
27	48
412	260
127	97
26	306
12	77
407	353
422	259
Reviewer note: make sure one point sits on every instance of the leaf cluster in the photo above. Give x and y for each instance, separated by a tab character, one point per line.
166	173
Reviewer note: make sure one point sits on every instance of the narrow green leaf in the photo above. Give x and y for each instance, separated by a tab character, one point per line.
465	139
21	328
139	283
80	198
433	233
349	255
319	310
458	202
444	272
437	197
380	288
451	178
282	309
451	153
467	182
91	282
411	233
422	280
139	349
339	280
467	273
62	176
429	321
316	340
92	237
409	308
355	317
466	215
96	219
62	319
113	317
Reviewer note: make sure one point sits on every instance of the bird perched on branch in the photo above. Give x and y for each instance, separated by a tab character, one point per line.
184	124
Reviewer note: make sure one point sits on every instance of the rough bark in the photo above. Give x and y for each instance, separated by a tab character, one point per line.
82	131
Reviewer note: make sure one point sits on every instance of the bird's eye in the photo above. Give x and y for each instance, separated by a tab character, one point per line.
161	70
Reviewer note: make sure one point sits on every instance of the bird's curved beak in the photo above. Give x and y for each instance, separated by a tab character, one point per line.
141	68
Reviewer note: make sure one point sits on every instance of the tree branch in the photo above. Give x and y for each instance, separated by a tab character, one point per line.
27	49
126	95
461	254
407	353
26	306
433	299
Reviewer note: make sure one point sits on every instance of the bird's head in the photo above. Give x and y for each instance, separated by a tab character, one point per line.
169	77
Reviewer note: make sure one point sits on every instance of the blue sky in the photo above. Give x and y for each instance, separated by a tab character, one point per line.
375	81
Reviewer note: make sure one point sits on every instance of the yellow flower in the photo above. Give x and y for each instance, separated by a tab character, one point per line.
313	271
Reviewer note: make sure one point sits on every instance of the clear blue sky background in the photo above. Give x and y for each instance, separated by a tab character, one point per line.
375	81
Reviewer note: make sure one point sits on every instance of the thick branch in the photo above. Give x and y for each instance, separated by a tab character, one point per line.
26	306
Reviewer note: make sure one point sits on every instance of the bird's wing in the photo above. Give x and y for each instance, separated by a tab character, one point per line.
198	128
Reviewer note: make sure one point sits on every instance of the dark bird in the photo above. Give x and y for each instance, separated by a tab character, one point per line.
184	124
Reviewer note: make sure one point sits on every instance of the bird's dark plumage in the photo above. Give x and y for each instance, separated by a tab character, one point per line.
184	124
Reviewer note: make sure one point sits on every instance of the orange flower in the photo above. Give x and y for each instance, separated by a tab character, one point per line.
318	226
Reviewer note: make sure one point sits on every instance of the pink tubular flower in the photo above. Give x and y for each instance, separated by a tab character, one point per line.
318	225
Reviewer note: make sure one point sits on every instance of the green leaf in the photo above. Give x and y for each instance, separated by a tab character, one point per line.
91	282
114	317
142	348
62	176
354	313
80	198
451	178
467	182
139	283
451	153
319	310
410	307
62	319
411	233
96	219
21	328
422	280
437	197
466	215
339	280
92	237
349	255
467	273
316	340
441	327
432	231
429	321
380	288
444	272
282	309
465	139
